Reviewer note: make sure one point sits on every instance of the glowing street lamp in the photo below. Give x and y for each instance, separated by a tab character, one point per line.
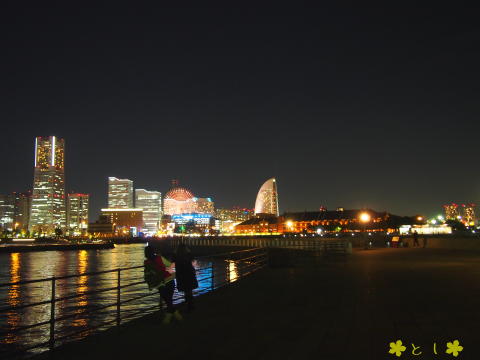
289	224
364	219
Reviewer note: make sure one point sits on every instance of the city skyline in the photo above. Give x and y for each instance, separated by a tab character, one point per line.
109	201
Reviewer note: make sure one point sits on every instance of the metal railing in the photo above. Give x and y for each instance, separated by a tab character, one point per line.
230	267
301	243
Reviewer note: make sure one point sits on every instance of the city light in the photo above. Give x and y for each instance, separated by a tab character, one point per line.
365	217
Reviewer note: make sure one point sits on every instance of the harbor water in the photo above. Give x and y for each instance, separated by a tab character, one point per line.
80	292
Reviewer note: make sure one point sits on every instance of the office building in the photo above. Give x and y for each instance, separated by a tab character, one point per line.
102	227
15	211
23	203
151	204
7	212
125	221
48	210
451	211
77	213
468	214
120	193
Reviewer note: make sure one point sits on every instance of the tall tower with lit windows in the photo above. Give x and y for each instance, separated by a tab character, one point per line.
451	211
48	198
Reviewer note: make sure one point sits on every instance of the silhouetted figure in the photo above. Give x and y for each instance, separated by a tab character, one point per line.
415	239
157	276
185	274
424	242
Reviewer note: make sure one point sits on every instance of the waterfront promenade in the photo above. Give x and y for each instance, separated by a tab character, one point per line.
335	308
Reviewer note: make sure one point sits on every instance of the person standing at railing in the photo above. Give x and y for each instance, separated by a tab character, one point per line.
415	239
157	276
185	274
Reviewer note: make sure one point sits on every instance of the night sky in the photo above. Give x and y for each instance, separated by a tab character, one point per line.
351	106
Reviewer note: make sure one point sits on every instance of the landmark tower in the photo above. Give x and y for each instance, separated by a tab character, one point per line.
48	198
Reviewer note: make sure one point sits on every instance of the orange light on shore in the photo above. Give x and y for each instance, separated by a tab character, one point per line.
365	217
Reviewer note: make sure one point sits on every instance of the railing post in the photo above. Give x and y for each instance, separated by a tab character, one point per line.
52	316
118	297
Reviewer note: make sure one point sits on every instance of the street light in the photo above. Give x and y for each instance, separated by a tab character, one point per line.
364	219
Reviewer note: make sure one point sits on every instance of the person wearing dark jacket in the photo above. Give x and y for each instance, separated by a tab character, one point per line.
415	239
157	276
185	274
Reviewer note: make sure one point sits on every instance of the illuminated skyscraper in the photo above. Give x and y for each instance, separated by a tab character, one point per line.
77	213
15	211
120	193
267	198
7	211
451	211
469	214
48	198
151	204
23	203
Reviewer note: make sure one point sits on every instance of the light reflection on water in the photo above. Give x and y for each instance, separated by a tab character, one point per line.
36	265
82	287
232	270
13	318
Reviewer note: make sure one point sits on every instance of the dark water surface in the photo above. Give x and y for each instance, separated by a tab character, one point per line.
39	265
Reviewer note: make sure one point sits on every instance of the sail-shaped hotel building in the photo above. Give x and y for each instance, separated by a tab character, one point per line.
267	198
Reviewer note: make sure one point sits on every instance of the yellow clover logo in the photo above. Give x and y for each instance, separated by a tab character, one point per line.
454	348
397	348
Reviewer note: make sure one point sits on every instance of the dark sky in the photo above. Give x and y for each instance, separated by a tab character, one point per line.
345	105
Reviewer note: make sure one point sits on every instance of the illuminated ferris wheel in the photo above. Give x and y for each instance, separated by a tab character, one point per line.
179	194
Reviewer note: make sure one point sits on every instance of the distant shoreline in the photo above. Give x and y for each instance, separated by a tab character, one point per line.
9	248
